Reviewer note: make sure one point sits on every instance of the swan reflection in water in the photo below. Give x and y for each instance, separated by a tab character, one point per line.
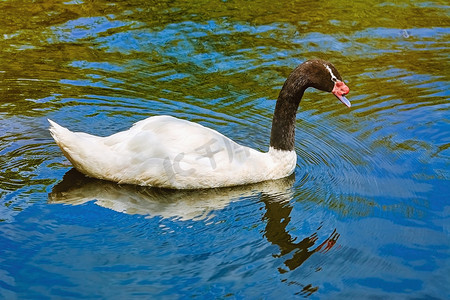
277	217
185	205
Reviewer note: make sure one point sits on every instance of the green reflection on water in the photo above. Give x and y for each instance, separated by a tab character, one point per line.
40	42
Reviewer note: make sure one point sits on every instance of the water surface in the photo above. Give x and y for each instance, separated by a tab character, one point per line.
366	213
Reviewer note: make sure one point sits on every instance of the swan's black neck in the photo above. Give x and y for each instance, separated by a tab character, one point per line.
315	73
283	125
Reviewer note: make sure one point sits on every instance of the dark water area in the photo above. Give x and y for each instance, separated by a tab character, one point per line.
366	214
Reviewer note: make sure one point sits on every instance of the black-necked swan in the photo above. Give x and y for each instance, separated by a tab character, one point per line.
163	151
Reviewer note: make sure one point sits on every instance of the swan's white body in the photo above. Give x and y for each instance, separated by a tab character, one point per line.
164	151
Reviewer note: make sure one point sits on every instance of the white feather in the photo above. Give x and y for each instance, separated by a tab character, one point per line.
164	151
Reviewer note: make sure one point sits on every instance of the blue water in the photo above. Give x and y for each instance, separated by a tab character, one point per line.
365	216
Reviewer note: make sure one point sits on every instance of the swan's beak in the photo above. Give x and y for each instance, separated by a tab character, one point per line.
340	90
344	100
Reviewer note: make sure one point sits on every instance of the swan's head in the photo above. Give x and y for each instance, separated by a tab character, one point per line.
323	76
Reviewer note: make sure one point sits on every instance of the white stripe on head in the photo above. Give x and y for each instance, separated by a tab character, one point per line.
333	78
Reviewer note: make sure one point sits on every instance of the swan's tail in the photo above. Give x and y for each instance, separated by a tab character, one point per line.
65	139
79	148
57	131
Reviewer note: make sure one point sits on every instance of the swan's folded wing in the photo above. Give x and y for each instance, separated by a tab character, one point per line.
161	150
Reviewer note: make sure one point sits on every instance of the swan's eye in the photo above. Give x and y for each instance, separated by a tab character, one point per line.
333	78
